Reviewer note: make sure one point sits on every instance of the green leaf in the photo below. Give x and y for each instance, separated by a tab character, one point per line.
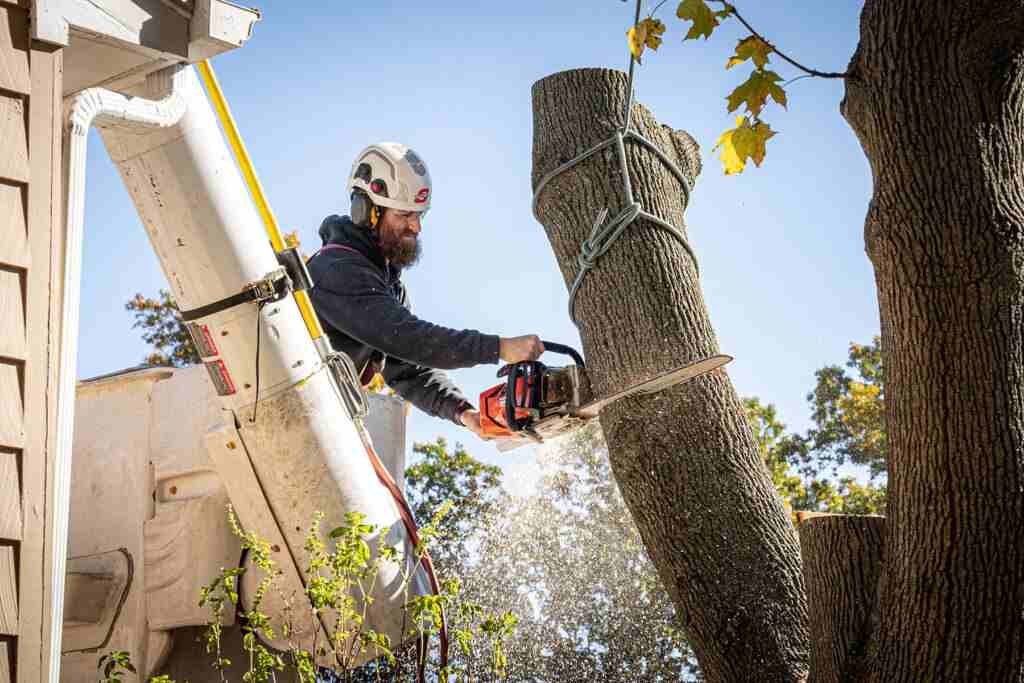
754	92
743	142
750	47
704	19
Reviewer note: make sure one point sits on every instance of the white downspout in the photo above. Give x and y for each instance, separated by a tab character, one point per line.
89	107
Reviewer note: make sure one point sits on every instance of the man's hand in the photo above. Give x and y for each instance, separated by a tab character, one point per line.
471	420
515	349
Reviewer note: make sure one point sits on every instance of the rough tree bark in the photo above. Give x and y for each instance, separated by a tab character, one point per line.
936	97
842	556
685	459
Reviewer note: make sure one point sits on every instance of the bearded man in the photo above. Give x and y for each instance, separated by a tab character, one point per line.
364	307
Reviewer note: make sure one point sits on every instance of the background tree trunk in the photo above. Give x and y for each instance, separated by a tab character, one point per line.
937	100
685	459
842	556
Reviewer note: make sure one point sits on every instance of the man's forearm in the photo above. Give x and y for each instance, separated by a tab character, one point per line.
429	390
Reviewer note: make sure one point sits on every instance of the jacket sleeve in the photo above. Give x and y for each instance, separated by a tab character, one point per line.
429	390
353	297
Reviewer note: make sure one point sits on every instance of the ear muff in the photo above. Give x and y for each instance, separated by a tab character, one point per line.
364	213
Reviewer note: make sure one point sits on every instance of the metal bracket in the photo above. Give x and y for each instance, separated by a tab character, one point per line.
347	379
298	272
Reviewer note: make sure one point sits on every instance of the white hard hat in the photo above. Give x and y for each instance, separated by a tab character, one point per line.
393	176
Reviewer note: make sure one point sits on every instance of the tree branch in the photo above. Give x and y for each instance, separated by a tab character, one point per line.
810	72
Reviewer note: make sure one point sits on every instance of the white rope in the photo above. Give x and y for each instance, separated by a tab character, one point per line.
604	234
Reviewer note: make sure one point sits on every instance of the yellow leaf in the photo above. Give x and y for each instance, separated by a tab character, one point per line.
704	20
654	30
750	47
754	92
743	142
637	36
730	159
645	34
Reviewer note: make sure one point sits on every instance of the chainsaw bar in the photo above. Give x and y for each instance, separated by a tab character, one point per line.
657	383
557	425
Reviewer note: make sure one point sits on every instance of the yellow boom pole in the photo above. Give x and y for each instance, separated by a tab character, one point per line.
278	242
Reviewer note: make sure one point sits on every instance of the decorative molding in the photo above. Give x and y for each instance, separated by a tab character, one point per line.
8	592
10	496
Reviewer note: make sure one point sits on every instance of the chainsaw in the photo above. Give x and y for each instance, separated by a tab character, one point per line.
537	402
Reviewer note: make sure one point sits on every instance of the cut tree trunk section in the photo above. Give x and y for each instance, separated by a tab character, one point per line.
842	556
685	458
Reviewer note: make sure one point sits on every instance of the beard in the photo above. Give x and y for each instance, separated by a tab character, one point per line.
402	250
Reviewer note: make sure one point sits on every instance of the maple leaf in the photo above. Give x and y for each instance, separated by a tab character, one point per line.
750	47
755	90
703	18
654	30
645	34
743	142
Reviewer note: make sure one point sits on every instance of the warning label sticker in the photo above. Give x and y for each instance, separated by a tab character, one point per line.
202	339
220	377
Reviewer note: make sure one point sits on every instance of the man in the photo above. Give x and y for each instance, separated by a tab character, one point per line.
363	305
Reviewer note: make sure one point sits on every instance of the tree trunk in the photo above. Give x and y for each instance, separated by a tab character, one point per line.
936	97
842	556
685	458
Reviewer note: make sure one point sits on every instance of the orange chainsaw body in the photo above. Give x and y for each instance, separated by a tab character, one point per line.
536	403
493	421
533	397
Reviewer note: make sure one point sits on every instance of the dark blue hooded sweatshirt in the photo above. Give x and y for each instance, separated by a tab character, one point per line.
364	309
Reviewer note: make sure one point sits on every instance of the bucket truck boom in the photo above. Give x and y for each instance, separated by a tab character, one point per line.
273	406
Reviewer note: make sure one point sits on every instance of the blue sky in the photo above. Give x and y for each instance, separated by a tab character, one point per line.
784	273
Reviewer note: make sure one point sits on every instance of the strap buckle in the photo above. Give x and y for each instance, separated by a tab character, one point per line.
272	287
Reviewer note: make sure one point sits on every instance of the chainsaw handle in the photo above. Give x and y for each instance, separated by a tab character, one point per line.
531	373
565	350
527	370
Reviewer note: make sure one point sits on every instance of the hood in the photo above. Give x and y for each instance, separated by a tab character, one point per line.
341	230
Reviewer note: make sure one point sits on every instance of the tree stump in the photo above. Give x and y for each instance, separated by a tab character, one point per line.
843	557
685	458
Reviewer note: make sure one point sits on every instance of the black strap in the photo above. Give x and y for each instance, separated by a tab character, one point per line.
250	293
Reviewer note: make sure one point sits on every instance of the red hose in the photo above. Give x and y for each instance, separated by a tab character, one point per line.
403	510
410	527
